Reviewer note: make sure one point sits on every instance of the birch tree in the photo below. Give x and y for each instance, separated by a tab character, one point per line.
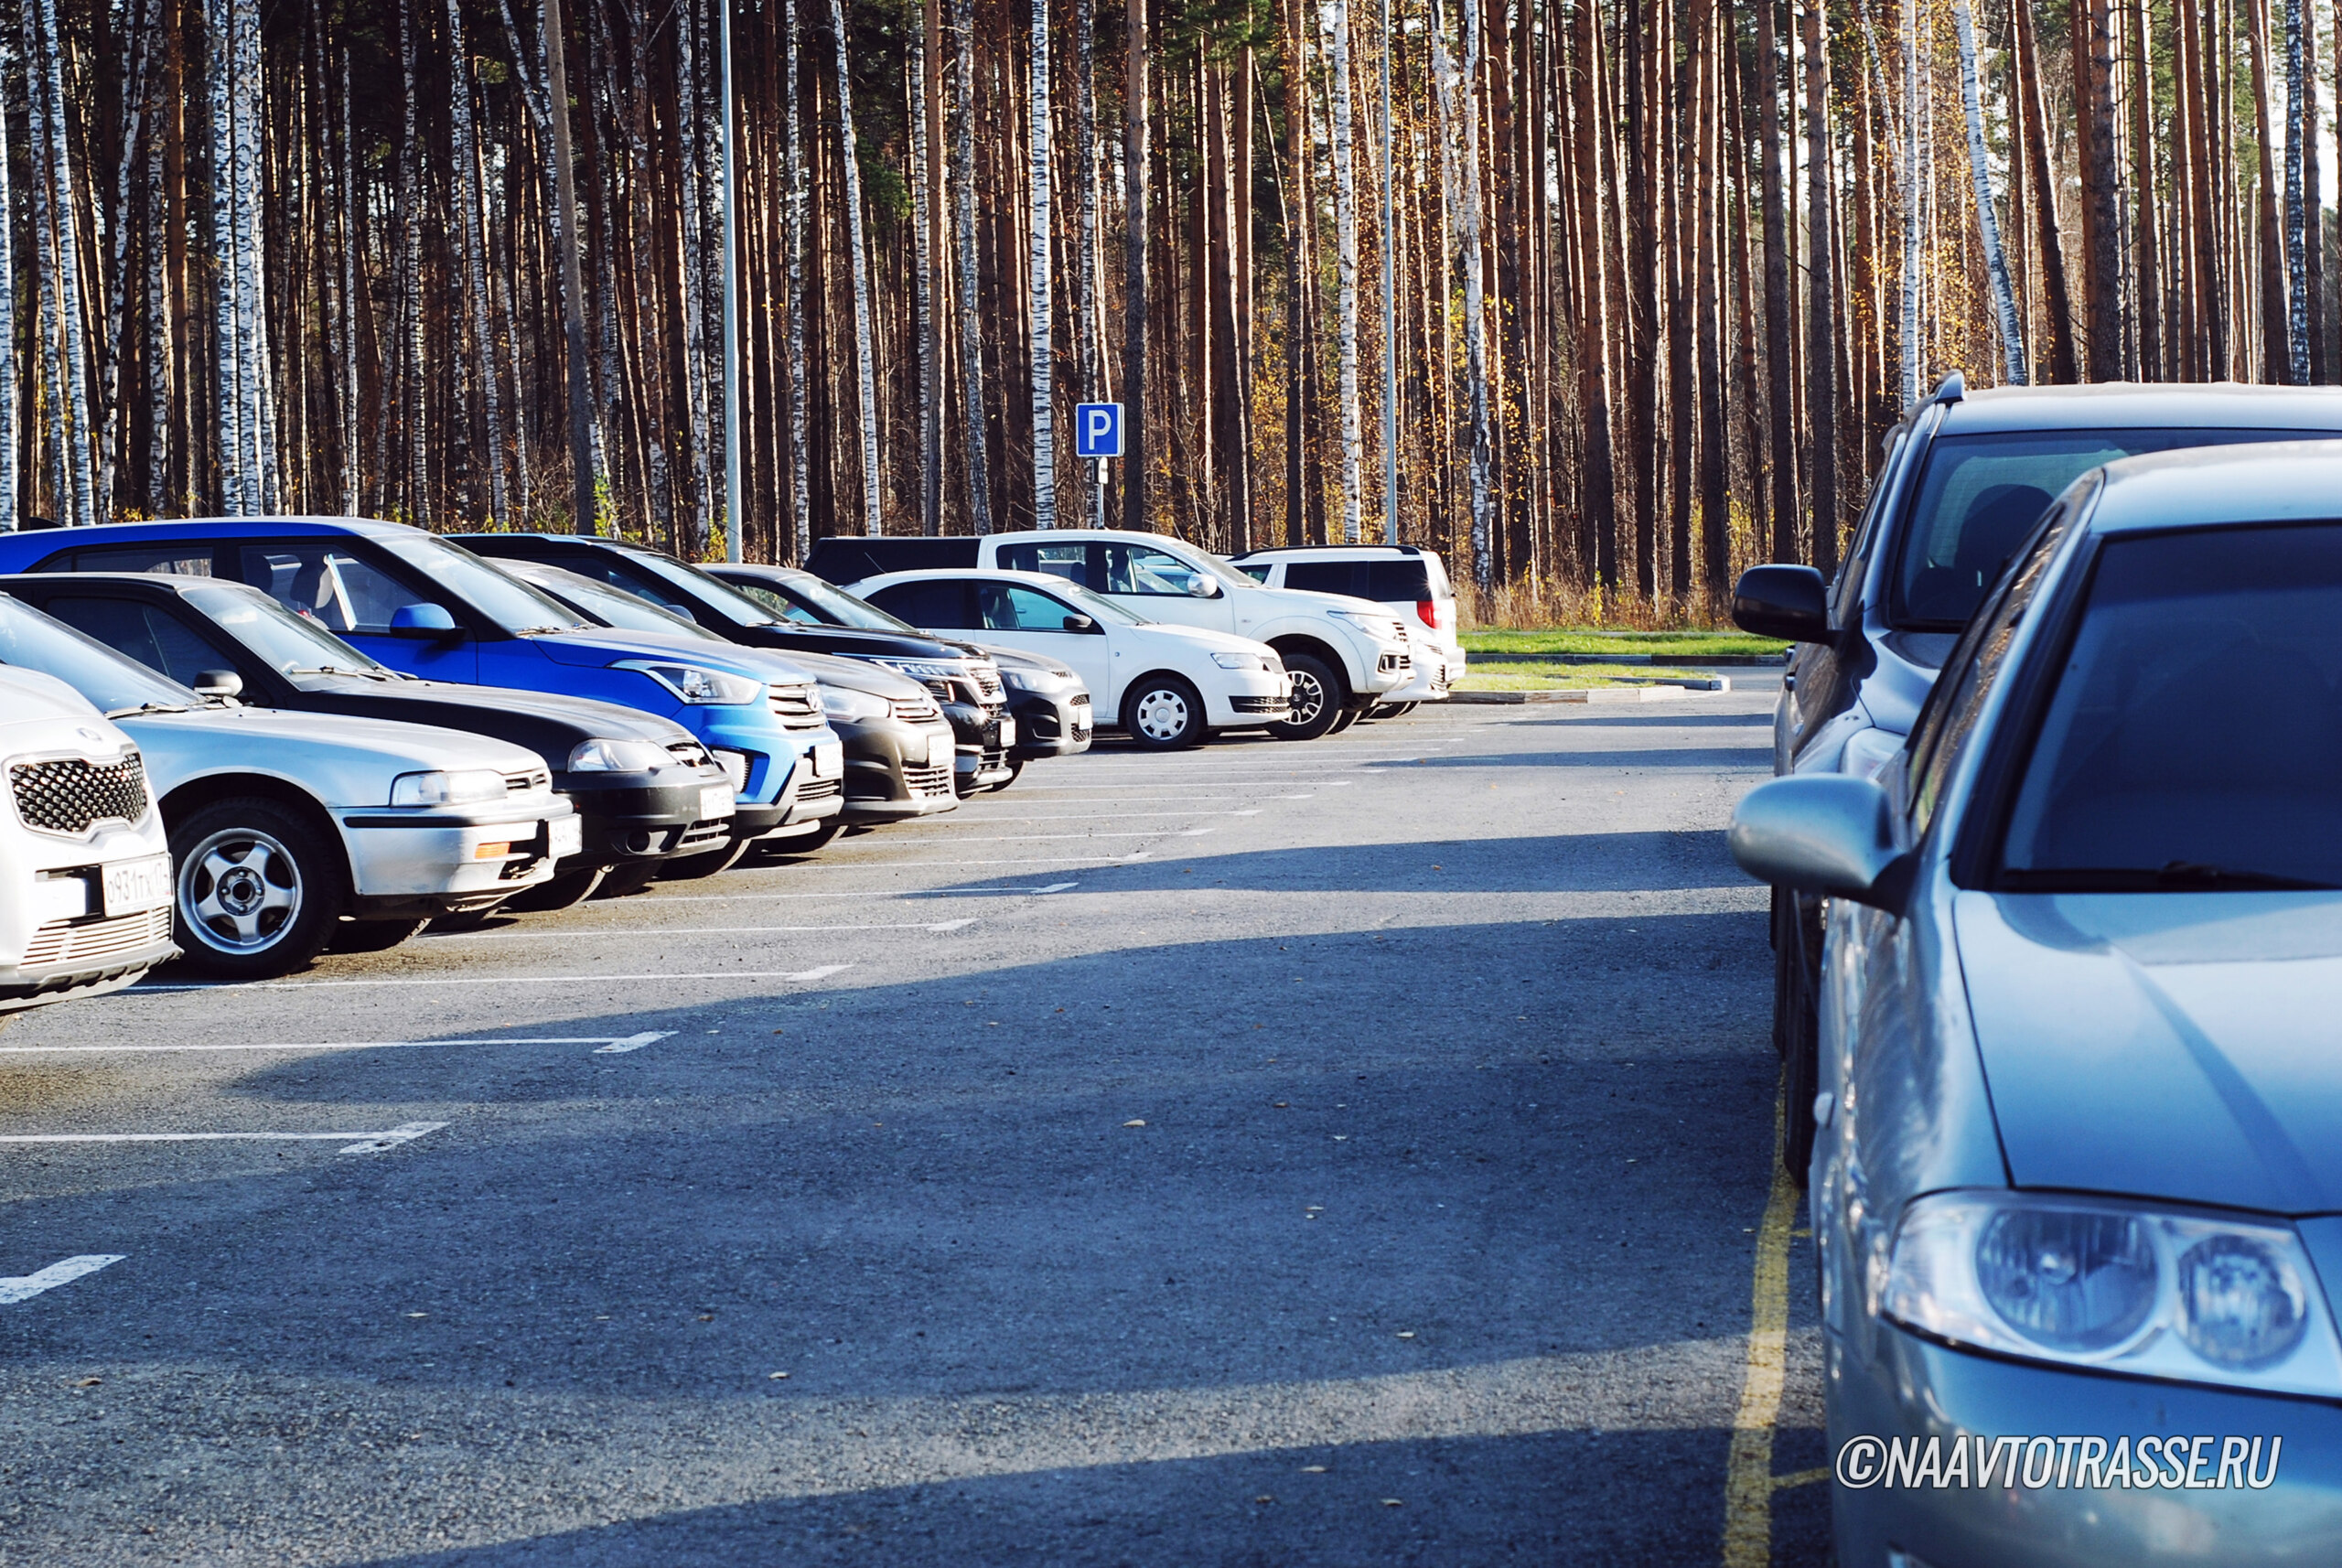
800	457
930	442
1987	222
866	348
65	234
1460	146
964	195
1045	482
1334	21
469	210
2297	240
8	382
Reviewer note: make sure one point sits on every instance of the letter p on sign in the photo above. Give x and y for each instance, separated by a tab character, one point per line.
1098	430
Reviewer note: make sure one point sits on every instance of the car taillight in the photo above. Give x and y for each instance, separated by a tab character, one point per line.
1427	612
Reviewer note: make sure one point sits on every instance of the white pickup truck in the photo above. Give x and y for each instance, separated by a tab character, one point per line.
1345	654
85	870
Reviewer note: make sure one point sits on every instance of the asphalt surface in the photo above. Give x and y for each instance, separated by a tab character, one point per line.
1350	1152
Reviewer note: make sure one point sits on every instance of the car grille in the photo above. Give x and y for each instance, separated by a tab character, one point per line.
66	795
914	710
928	781
988	684
1081	699
1392	661
79	941
706	834
797	707
1263	704
527	783
819	790
691	754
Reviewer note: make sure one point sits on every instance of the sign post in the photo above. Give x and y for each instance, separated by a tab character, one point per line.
1098	433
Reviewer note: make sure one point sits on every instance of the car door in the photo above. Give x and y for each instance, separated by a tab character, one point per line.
359	597
1156	585
153	636
1014	615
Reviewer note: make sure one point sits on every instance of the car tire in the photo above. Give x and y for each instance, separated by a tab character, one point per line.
766	853
707	863
258	890
1317	699
1348	717
626	881
371	936
563	890
1799	1027
1016	770
1164	712
1392	710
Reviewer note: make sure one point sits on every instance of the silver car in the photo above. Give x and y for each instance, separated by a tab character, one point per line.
2077	1191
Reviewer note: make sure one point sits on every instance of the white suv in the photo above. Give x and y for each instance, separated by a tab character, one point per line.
85	872
1402	578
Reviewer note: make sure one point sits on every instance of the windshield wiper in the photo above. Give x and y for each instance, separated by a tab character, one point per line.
146	708
542	630
332	669
2177	876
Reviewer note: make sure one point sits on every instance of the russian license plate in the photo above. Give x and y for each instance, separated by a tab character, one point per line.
565	836
715	800
829	759
1007	730
134	886
940	750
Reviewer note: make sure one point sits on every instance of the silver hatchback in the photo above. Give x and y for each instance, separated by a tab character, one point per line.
2077	1189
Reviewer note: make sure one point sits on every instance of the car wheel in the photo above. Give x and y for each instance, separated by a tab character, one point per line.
1163	713
1016	770
1317	699
1391	711
563	890
625	881
770	851
1343	721
707	863
1799	1027
259	890
371	936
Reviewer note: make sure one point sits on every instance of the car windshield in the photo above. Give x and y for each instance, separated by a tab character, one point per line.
1980	495
2194	737
503	598
816	603
612	606
284	641
710	593
115	685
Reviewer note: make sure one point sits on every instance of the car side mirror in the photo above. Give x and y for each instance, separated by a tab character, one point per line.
219	683
1823	833
1202	589
1079	623
1792	602
428	621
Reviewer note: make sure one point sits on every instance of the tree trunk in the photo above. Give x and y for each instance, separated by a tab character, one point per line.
1599	479
865	350
2041	176
2277	353
1334	19
1822	310
2151	364
1135	453
1996	265
9	385
2297	235
1040	282
801	383
471	213
964	194
1778	395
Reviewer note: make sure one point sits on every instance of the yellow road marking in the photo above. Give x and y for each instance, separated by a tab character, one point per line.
1800	1479
1749	1481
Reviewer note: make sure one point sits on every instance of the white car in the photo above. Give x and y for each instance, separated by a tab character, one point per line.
283	823
1405	579
85	871
1166	685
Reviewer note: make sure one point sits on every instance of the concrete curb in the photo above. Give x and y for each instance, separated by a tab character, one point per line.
1703	662
1651	694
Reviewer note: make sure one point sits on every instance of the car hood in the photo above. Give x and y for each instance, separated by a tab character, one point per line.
859	675
1201	636
845	641
605	645
1315	603
449	702
344	761
2176	1045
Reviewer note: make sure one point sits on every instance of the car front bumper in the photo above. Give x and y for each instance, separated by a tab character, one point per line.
426	861
1248	697
1436	671
895	770
1050	725
640	816
1918	1390
982	737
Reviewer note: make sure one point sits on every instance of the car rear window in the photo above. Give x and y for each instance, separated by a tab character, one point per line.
1389	582
1981	494
180	557
2194	740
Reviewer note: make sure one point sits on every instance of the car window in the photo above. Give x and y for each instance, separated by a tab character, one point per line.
1005	607
2194	739
928	604
779	604
1386	580
286	642
624	576
696	590
329	584
817	603
508	602
186	560
1979	494
613	605
1258	574
1857	563
1141	569
155	637
1948	721
1070	560
114	684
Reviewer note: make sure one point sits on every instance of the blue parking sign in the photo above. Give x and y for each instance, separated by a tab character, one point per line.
1098	430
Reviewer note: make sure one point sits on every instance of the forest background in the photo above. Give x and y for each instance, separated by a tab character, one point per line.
1612	299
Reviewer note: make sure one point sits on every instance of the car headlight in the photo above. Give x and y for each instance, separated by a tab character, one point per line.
2117	1286
603	755
468	787
1868	751
1244	661
1381	627
841	702
696	686
926	668
1039	679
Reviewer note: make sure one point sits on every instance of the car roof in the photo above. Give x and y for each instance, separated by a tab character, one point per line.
1329	552
986	573
2208	486
2130	404
235	527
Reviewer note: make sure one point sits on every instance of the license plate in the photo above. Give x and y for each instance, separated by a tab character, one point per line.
940	750
715	800
133	885
829	759
565	836
1007	730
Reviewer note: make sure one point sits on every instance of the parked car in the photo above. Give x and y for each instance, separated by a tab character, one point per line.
1344	654
1965	477
282	823
85	869
897	747
1405	579
2081	1113
969	688
1168	685
1051	706
644	790
421	605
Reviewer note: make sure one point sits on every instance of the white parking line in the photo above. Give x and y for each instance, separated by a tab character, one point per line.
702	930
1090	816
24	1288
368	1144
857	893
606	1042
803	976
1052	838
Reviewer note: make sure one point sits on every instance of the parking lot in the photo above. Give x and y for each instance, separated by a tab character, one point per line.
1350	1152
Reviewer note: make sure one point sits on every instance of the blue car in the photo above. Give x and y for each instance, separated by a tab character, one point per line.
420	604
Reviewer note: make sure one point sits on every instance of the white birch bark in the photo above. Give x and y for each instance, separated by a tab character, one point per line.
50	365
2297	240
1045	478
411	290
8	382
66	235
1089	360
252	276
801	459
219	65
137	50
470	209
1334	21
1460	153
1988	224
930	446
694	281
351	480
866	369
1911	303
162	366
964	195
